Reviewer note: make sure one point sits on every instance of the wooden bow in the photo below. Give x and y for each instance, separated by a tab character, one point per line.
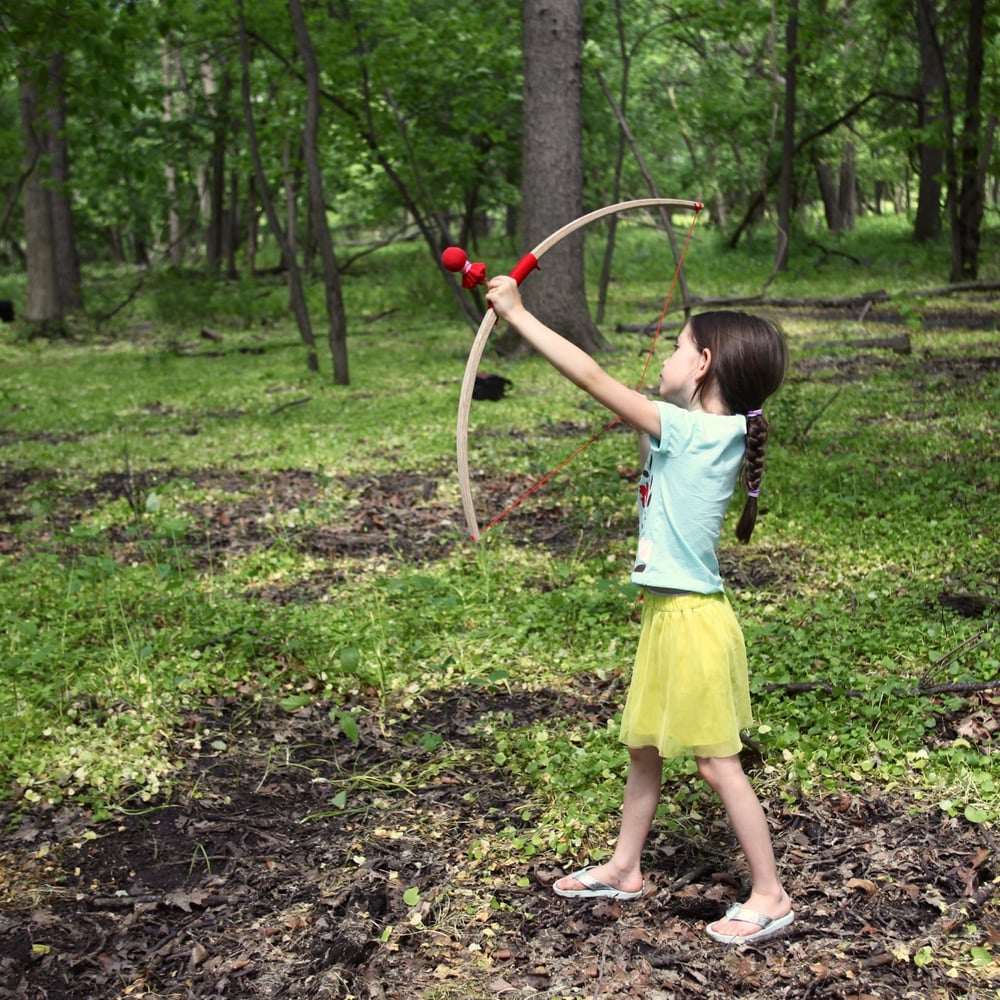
489	322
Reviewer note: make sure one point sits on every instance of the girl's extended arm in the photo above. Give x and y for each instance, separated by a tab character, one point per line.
578	366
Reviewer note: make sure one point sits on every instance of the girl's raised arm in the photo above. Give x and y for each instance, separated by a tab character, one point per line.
577	365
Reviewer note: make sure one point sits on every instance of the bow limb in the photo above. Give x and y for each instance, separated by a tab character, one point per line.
462	429
527	263
601	213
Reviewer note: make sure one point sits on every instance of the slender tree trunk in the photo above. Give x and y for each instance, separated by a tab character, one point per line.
337	330
787	181
930	113
967	216
847	193
67	259
296	289
43	307
219	96
252	225
231	226
828	195
616	182
552	165
175	252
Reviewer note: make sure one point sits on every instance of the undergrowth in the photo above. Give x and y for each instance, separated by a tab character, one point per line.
119	623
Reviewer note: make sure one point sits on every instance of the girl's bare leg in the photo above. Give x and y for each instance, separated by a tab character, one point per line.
623	869
767	896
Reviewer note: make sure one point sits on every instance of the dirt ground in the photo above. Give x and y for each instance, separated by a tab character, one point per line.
253	882
253	885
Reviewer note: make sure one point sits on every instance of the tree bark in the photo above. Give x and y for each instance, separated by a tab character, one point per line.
552	166
67	259
787	180
337	329
175	250
967	216
930	150
847	198
42	308
219	97
828	194
296	289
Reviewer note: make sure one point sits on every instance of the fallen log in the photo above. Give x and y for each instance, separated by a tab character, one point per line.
900	344
863	301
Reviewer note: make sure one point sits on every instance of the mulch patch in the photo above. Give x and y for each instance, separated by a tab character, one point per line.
255	882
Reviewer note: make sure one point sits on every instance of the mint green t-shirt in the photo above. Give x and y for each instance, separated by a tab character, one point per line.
684	491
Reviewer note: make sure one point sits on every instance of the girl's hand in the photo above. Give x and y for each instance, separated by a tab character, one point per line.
503	294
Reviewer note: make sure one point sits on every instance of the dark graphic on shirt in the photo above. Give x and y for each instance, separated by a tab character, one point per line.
645	496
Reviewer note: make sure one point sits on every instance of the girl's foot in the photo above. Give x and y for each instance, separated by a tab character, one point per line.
599	882
758	918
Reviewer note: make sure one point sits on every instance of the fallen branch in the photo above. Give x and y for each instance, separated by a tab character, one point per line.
900	344
290	404
805	687
863	301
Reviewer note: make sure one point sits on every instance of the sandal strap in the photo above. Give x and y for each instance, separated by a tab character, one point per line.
741	913
584	877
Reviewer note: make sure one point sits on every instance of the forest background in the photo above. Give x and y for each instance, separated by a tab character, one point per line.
234	566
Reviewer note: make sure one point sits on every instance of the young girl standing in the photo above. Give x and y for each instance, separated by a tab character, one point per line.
689	693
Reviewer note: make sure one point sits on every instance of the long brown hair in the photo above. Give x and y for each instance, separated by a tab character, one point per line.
749	358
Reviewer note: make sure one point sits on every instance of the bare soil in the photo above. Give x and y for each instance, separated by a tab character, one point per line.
251	884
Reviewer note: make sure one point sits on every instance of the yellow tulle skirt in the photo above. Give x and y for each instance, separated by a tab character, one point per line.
690	692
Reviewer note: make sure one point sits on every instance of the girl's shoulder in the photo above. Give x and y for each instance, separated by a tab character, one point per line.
679	426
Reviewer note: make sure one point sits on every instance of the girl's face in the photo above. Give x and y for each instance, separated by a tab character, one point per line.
682	371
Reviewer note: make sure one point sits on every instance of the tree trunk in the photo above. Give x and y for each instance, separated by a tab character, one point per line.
252	225
787	179
847	194
296	289
219	98
67	259
175	251
552	166
231	226
967	216
337	331
43	307
828	195
930	151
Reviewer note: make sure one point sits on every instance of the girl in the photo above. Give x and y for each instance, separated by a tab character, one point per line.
689	692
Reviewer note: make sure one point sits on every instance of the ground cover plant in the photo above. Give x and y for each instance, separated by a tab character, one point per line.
272	725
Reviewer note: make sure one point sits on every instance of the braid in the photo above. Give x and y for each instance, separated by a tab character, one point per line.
749	357
752	472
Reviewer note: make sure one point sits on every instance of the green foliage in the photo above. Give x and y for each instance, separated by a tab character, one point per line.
124	611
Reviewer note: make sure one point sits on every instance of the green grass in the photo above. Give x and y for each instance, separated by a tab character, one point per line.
879	497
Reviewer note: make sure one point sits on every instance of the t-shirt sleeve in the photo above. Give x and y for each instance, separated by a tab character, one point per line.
675	429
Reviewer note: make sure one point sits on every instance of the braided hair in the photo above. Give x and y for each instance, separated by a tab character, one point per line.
749	358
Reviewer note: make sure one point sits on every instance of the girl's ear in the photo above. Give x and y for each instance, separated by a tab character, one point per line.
704	364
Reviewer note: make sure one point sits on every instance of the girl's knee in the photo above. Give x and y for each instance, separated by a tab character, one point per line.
644	754
719	771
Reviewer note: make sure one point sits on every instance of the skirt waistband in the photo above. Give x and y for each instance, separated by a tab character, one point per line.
673	600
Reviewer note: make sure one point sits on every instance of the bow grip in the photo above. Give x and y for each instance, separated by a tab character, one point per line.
524	267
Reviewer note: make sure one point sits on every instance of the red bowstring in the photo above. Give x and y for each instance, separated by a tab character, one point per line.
616	420
670	294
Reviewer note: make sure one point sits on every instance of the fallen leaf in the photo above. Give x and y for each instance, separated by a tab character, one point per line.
865	885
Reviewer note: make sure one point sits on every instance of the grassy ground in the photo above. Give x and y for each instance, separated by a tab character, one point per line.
132	460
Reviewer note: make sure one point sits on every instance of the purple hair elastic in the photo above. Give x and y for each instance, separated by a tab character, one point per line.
753	493
755	413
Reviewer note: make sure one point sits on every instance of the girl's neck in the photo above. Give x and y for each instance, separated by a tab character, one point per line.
710	400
